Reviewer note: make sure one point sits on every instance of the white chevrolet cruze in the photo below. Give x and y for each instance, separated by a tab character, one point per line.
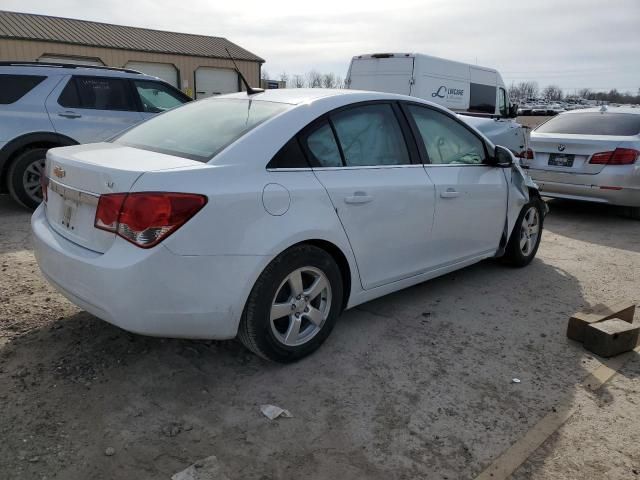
264	216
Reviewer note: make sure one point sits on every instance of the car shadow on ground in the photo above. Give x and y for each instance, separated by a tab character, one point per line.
605	225
418	384
14	222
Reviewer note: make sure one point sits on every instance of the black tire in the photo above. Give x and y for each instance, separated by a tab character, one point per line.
514	254
22	176
256	331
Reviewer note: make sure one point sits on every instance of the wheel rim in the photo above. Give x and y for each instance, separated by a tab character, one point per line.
529	231
300	306
31	180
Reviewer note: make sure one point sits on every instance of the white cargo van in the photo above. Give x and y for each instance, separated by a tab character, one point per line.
469	90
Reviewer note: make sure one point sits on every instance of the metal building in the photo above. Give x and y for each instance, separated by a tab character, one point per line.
197	64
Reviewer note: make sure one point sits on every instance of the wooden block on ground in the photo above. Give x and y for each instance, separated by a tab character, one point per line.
611	337
598	313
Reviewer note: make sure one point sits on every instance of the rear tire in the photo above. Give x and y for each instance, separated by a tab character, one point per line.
527	232
24	177
293	305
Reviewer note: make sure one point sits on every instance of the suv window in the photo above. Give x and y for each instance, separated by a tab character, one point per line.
595	123
446	140
157	97
14	87
97	93
370	135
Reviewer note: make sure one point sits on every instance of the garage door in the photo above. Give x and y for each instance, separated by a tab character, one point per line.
164	71
215	81
76	60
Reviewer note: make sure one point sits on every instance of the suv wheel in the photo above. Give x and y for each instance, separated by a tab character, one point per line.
293	305
24	177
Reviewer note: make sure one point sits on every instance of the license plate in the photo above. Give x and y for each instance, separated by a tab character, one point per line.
68	214
560	160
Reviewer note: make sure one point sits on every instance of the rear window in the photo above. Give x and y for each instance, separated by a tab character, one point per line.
200	130
14	87
619	124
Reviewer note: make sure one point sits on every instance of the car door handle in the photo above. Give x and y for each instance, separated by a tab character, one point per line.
450	193
69	115
358	198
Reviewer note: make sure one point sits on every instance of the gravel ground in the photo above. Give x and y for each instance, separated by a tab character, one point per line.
413	385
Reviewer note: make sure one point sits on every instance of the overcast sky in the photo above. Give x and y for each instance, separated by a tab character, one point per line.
571	43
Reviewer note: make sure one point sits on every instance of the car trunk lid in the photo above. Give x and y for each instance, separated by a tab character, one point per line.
569	153
78	175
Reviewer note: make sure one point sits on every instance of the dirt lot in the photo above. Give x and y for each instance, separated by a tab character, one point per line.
414	385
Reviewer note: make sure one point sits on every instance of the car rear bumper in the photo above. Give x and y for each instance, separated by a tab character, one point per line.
152	292
604	187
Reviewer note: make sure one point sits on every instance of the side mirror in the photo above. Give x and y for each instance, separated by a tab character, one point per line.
502	157
513	110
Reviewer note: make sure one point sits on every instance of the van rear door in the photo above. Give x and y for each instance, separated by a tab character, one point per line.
388	74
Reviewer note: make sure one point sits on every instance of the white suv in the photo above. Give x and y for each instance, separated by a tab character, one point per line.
52	105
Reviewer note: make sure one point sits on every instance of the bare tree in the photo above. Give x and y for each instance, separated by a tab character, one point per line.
329	80
339	82
584	93
298	81
314	79
552	92
264	75
284	77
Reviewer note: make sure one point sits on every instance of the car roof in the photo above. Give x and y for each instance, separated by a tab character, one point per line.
297	96
38	68
634	110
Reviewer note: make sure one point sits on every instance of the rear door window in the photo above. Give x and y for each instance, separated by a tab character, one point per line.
322	147
593	123
97	93
14	87
370	135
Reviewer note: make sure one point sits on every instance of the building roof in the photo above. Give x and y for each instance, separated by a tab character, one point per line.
26	26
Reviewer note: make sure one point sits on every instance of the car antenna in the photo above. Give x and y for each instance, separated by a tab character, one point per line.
250	89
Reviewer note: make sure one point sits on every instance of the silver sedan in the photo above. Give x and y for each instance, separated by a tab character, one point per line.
591	155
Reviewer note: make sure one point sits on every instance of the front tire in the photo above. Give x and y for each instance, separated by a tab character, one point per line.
24	177
527	232
293	306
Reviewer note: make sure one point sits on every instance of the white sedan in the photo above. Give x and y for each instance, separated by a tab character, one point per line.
264	216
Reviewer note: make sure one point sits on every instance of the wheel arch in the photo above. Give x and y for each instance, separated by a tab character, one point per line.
341	260
29	140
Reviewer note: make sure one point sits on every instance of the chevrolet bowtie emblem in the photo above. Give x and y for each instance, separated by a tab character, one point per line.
58	171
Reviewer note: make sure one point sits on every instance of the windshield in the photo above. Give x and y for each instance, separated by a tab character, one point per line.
606	123
200	130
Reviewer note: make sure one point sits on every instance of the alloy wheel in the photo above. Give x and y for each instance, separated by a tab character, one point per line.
529	231
300	306
31	180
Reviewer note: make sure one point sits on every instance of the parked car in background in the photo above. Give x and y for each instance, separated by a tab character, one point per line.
265	215
469	90
51	105
591	155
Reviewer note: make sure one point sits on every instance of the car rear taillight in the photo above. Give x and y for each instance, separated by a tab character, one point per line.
146	218
44	185
619	156
526	154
